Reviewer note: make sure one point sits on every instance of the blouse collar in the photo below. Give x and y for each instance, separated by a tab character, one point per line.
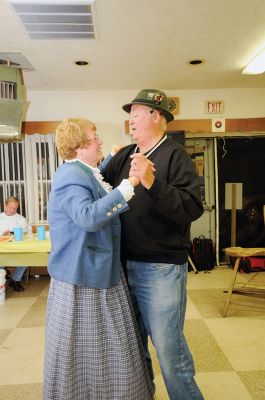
94	169
96	172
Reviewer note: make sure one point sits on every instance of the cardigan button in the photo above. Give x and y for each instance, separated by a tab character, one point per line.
108	214
119	205
114	209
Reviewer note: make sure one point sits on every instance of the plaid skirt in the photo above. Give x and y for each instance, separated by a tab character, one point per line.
93	349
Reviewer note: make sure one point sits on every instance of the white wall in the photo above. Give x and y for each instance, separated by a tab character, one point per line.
105	107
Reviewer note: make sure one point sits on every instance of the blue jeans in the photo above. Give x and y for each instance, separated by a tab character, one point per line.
18	273
158	293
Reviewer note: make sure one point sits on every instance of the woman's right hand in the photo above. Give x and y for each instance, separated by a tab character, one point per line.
134	181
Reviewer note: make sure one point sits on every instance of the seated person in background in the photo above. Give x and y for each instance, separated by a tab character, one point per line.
8	220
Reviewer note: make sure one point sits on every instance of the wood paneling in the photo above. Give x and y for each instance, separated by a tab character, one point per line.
191	125
42	127
195	126
198	126
245	125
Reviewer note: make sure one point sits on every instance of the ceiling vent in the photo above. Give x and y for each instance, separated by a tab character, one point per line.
57	19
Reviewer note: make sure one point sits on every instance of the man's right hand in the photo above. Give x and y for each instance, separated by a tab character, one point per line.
143	169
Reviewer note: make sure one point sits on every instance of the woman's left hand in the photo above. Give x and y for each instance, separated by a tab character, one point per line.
134	180
116	148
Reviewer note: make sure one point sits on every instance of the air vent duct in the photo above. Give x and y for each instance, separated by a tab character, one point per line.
11	103
17	60
57	19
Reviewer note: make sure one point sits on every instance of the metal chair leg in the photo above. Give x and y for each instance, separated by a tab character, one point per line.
27	276
192	265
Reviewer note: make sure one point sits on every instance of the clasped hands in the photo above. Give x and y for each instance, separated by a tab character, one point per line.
141	171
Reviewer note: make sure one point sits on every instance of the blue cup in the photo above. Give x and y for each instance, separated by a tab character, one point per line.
41	233
18	234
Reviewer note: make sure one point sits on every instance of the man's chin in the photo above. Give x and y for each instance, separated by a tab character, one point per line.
133	134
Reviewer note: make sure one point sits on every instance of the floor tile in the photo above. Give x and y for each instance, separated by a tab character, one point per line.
222	386
36	314
218	344
215	279
12	311
22	392
207	354
192	311
3	334
44	292
255	383
218	278
21	357
247	305
241	340
209	302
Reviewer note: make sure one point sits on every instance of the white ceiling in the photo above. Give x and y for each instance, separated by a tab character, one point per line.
147	43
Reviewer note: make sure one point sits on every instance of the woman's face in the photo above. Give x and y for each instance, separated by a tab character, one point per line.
91	153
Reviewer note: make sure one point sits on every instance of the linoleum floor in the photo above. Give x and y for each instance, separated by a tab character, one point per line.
229	353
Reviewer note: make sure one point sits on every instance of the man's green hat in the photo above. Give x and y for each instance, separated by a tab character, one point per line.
153	98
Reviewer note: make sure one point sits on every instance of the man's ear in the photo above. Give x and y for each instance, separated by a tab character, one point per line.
156	116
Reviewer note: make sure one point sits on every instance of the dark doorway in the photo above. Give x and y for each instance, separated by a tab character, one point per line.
242	160
177	136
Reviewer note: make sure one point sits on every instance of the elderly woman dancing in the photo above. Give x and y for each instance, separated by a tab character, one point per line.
92	348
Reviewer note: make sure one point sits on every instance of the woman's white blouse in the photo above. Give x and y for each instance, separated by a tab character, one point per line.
125	187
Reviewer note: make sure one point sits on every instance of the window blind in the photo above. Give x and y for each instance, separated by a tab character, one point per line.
26	171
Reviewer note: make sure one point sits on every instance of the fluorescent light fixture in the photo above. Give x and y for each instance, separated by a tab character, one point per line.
256	66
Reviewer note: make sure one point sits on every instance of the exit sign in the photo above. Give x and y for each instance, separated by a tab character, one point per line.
214	107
